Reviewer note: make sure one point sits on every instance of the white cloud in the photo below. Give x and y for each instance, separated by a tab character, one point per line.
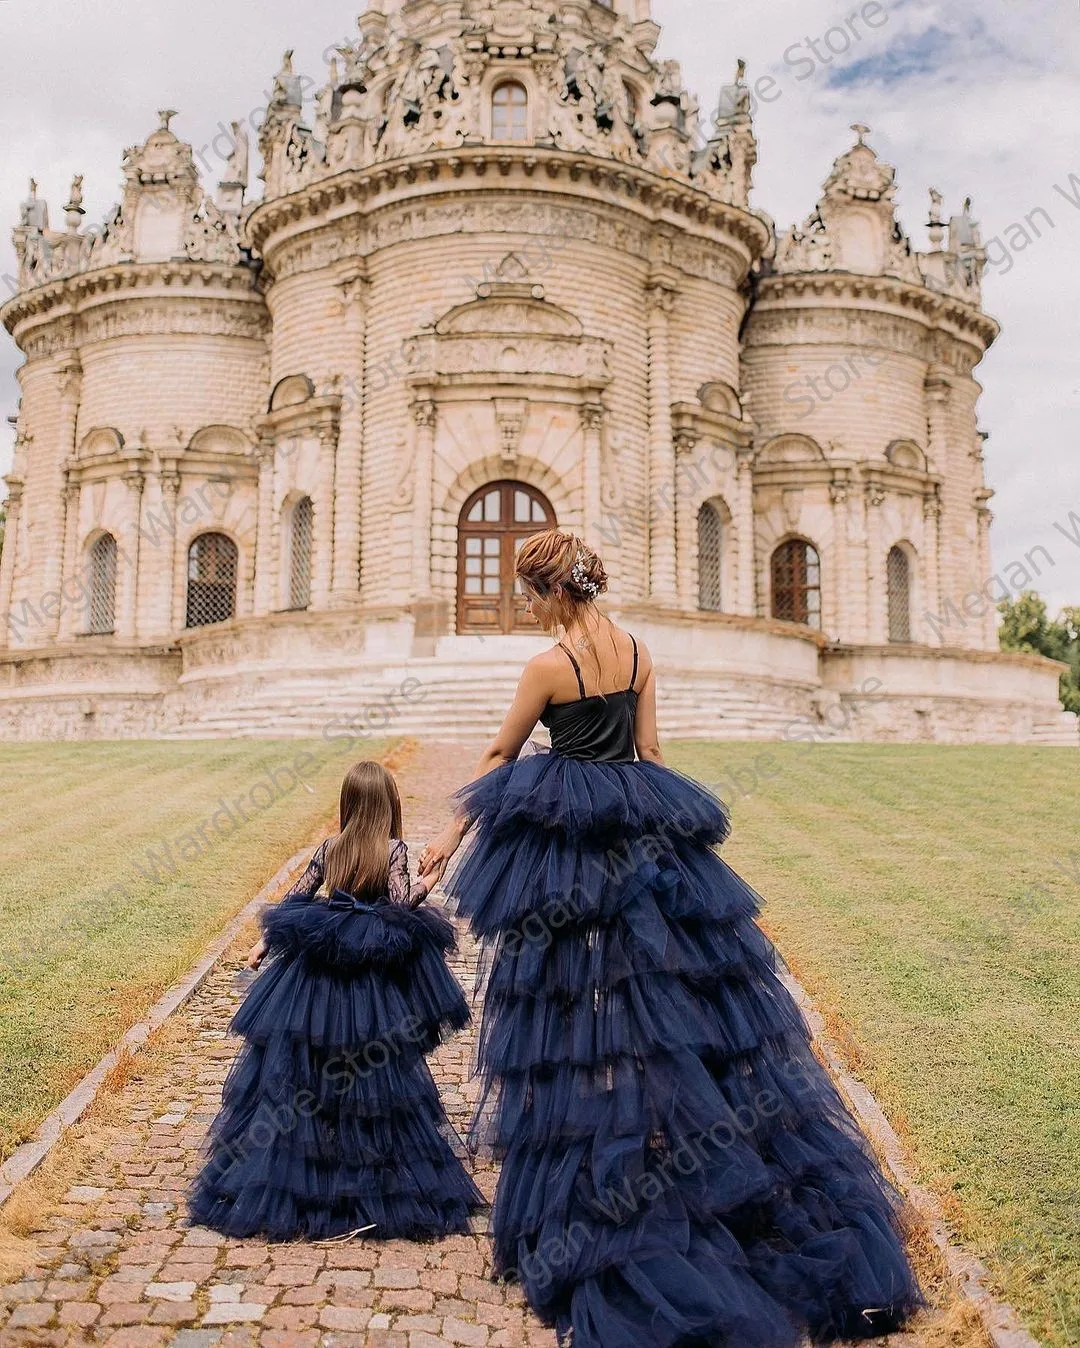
971	98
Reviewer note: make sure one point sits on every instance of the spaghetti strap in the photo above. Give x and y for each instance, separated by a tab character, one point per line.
577	669
633	676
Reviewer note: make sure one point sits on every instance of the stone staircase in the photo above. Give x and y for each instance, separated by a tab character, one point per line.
427	698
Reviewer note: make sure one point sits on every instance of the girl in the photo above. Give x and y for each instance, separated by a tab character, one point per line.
678	1168
331	1124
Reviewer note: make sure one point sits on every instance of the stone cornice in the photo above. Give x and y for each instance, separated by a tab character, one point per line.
488	166
919	652
837	289
68	295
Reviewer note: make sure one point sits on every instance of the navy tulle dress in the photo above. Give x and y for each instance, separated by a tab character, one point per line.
330	1121
677	1167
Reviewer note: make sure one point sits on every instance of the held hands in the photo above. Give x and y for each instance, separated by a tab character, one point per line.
436	855
256	954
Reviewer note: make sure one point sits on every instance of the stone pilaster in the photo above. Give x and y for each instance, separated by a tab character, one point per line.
745	587
684	509
924	630
323	501
424	416
7	557
951	521
127	560
265	569
877	599
660	303
69	379
984	519
348	475
592	426
74	587
834	616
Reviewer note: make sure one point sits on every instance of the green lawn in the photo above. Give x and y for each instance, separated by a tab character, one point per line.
929	898
119	863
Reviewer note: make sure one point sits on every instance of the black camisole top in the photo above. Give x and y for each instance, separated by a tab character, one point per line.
598	728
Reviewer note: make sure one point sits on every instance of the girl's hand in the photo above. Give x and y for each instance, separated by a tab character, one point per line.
256	954
436	855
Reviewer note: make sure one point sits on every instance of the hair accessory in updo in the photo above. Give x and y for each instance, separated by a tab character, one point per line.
579	577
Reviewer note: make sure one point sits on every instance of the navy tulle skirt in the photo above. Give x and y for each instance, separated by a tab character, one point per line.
330	1120
677	1166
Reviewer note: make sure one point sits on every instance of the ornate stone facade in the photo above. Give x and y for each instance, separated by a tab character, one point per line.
274	455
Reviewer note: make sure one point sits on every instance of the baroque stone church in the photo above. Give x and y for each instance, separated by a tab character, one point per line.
275	450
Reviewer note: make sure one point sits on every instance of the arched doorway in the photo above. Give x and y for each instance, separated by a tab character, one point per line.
493	524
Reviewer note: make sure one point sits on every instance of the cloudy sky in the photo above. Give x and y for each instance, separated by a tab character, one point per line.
972	97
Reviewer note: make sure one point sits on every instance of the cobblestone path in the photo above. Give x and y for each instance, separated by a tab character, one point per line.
115	1263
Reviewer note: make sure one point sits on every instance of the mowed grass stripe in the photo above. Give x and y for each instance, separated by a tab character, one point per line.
87	940
894	878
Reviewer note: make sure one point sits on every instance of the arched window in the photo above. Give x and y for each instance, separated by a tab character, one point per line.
101	615
898	580
301	528
493	524
710	537
211	595
510	111
796	583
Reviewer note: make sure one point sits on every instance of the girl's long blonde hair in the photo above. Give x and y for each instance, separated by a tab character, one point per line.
369	815
556	558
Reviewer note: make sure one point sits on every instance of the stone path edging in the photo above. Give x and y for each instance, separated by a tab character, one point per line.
26	1159
999	1318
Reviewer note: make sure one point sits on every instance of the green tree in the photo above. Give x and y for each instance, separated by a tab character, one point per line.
1026	626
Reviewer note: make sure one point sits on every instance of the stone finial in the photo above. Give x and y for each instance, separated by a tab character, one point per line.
34	212
166	115
935	225
862	131
287	90
73	211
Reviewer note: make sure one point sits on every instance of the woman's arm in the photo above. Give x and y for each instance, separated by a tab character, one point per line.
646	737
533	693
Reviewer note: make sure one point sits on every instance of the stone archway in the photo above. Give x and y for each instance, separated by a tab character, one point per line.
493	524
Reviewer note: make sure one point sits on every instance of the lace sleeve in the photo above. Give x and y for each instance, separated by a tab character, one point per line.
399	871
312	878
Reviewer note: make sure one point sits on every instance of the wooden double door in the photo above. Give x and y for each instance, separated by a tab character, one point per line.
495	521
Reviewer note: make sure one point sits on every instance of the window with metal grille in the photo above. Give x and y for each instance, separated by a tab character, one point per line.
101	616
303	522
898	576
796	583
710	534
211	595
510	112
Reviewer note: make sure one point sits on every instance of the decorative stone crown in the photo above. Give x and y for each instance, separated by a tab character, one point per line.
854	229
164	216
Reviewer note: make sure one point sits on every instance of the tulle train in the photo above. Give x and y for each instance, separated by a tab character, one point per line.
677	1167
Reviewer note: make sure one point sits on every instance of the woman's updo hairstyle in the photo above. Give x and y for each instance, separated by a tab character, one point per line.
557	558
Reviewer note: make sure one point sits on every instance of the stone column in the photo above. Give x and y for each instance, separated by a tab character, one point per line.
345	587
265	452
424	415
924	630
74	587
953	513
7	557
834	622
69	379
169	486
984	519
592	426
746	597
660	301
684	509
876	591
323	501
127	560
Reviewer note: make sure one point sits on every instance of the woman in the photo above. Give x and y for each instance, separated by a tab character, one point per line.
677	1167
